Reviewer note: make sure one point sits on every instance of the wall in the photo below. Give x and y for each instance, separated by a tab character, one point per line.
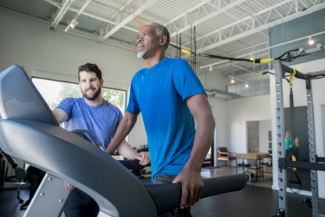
300	99
264	128
239	111
212	80
218	107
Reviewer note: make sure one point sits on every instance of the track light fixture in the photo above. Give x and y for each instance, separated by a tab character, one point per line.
73	24
233	81
311	41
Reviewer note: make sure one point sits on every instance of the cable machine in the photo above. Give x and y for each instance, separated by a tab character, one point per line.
315	163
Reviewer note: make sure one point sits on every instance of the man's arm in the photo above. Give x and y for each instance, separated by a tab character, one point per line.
190	178
128	152
124	128
60	115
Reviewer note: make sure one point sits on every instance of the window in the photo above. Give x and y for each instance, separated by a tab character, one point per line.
54	92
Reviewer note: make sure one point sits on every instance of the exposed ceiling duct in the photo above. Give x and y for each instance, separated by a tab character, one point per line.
219	94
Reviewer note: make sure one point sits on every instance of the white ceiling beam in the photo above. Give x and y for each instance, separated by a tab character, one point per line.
65	6
128	19
216	13
244	19
230	15
239	67
116	13
248	70
187	12
263	27
58	5
77	15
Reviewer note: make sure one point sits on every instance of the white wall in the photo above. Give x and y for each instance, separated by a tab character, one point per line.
239	111
300	99
264	128
212	80
218	107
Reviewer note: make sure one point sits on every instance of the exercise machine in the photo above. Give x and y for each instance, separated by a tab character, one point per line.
30	132
315	163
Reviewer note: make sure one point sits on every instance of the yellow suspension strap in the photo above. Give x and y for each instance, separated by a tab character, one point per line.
261	60
293	157
266	60
138	20
186	51
291	75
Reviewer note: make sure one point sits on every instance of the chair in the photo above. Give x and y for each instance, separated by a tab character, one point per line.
224	154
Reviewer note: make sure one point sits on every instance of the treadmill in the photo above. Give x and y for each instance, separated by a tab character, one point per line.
30	132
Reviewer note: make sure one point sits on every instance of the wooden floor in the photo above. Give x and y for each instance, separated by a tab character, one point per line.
255	200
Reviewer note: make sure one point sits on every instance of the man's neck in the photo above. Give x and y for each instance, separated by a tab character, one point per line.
152	61
96	102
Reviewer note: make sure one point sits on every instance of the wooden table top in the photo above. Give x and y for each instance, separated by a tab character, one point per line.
253	155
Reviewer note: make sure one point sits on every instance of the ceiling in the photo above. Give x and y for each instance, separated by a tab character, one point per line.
234	28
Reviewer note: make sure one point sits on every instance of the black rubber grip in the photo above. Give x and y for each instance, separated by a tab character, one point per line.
168	196
132	164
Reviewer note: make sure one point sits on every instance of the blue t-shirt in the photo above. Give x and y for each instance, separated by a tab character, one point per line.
159	93
102	121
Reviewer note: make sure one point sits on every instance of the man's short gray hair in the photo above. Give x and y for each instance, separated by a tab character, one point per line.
162	30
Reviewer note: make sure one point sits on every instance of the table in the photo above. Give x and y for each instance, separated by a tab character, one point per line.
257	170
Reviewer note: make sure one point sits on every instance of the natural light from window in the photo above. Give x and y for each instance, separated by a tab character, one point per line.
54	92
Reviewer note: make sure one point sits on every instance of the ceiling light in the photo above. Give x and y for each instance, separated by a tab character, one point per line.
311	41
73	24
232	80
246	85
210	68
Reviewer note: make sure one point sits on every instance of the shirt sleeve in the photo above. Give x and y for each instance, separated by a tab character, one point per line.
133	106
185	81
66	105
120	117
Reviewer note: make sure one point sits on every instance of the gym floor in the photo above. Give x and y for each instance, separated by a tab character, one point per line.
257	199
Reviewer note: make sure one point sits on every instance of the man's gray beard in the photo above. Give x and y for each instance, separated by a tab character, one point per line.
140	54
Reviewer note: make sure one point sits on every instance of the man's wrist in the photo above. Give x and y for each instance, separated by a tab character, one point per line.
192	168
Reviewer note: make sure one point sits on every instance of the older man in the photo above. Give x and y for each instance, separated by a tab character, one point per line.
169	95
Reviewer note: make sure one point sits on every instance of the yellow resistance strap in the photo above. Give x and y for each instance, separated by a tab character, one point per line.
138	20
294	159
291	75
186	51
266	60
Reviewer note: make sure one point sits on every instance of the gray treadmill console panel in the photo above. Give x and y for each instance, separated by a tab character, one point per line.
19	98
